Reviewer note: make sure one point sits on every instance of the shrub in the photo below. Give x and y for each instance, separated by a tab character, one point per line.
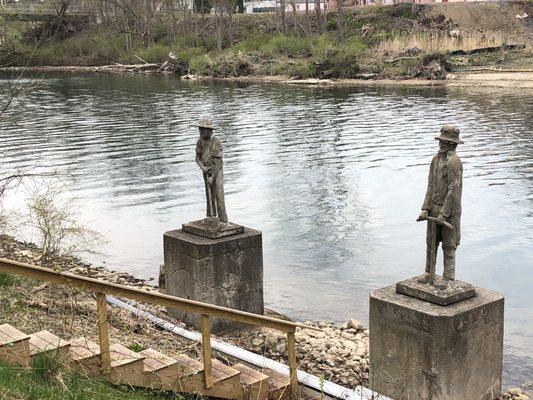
288	45
332	25
322	46
156	53
7	280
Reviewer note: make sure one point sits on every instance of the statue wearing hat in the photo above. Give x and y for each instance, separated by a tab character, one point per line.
209	159
442	205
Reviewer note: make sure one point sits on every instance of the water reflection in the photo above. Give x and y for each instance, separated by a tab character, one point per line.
333	177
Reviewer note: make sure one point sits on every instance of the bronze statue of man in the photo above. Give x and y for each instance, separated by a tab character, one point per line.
442	204
209	159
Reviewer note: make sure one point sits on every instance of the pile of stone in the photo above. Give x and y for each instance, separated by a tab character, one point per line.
338	353
515	394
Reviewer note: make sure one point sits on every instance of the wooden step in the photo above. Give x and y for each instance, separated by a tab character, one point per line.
279	384
45	342
226	380
127	366
255	383
14	346
159	369
85	356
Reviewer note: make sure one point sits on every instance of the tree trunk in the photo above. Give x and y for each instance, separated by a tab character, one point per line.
283	17
318	15
307	22
340	17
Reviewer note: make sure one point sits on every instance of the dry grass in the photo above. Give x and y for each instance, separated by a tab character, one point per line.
440	42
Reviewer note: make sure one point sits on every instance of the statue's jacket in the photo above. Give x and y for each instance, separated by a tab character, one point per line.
445	186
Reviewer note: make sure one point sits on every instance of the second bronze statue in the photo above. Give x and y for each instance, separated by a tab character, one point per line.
442	204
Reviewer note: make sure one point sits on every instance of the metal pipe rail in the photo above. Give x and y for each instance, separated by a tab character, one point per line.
101	288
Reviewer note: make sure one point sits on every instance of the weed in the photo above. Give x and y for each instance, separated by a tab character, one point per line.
136	347
7	280
47	367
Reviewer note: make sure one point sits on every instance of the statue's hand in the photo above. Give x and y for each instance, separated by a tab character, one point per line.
423	215
440	219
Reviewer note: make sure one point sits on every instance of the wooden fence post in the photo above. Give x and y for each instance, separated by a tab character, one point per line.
293	365
103	332
206	351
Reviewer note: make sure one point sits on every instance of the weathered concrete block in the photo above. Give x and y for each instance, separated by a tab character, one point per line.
421	350
226	271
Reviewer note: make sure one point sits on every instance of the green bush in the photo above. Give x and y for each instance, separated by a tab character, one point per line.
200	64
288	45
7	280
301	69
251	43
332	25
323	45
156	53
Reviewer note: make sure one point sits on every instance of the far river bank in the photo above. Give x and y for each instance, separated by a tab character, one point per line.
482	77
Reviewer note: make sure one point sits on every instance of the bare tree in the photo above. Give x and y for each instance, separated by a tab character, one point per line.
283	16
57	225
340	17
318	15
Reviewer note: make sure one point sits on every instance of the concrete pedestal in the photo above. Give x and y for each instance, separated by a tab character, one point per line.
227	271
421	350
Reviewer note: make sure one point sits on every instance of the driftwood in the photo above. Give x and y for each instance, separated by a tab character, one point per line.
129	68
491	49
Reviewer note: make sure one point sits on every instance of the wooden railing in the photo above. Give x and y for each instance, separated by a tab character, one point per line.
102	288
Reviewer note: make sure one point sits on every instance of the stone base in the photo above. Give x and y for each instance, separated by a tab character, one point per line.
210	228
442	292
420	350
227	271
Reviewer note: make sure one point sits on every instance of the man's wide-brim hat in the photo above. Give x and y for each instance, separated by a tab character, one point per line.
449	133
205	123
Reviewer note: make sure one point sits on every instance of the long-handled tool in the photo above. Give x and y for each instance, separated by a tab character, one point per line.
435	220
209	198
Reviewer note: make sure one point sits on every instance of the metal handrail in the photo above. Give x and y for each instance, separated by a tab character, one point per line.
207	311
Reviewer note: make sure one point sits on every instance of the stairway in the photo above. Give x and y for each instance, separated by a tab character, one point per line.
148	368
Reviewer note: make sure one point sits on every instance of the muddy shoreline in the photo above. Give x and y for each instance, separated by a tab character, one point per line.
484	77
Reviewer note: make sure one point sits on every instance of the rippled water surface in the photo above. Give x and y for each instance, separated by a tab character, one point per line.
333	177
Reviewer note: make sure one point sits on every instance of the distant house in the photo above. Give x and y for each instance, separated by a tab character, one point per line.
260	6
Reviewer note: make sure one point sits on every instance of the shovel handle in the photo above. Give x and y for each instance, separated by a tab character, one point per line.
433	219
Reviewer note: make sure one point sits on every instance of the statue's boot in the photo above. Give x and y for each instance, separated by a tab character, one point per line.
427	278
449	264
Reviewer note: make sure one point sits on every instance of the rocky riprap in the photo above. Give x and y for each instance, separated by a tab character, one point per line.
338	353
516	394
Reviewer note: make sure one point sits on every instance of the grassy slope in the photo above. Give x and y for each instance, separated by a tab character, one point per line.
50	378
46	382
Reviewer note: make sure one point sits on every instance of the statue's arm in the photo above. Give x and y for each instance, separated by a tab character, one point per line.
217	166
217	158
429	192
455	176
198	158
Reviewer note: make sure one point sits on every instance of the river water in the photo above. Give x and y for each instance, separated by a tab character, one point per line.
334	177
